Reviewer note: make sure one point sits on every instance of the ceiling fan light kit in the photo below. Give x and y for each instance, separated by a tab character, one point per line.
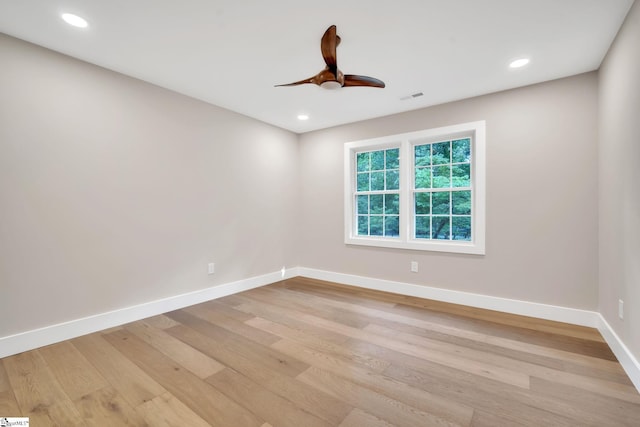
331	77
330	85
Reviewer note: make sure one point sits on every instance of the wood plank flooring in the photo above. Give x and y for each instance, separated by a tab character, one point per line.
305	353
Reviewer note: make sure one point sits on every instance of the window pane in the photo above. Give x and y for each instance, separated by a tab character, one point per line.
391	204
441	176
461	227
363	162
391	160
392	226
376	226
376	203
363	181
423	227
363	205
377	160
461	150
423	155
423	203
441	153
363	225
461	175
461	202
440	204
377	181
393	180
440	227
423	178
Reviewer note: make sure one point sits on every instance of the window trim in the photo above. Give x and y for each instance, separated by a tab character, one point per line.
406	142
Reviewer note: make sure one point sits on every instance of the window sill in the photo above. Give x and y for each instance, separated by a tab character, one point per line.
458	247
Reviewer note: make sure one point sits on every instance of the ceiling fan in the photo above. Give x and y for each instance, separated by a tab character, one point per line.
331	77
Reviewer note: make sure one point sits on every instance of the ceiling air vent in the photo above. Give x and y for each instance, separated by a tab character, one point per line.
413	95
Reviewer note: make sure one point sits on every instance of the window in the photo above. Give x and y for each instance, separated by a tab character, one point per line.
378	193
421	190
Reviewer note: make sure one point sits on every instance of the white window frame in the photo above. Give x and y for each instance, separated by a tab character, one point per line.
406	142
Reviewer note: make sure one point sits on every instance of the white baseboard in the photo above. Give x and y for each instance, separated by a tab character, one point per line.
523	308
625	357
29	340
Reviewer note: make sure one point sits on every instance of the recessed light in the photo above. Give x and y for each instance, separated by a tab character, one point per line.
519	63
75	20
303	117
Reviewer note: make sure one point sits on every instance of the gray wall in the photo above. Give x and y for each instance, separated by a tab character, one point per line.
114	192
619	161
542	225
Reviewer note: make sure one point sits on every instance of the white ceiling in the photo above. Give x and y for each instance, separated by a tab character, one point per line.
231	53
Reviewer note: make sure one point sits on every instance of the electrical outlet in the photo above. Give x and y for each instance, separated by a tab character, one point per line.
212	268
414	266
621	309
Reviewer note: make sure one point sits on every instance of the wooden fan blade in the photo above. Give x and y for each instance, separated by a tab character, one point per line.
301	82
328	46
353	80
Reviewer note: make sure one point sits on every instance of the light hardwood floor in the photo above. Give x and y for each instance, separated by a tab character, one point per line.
304	353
